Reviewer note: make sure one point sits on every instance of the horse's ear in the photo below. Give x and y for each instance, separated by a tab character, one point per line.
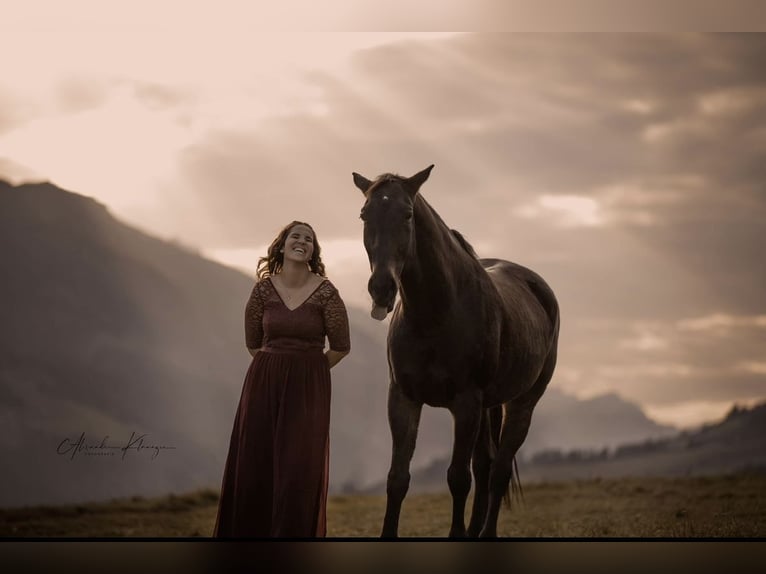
361	182
414	182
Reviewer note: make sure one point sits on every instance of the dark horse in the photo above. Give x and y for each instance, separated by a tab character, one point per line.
476	336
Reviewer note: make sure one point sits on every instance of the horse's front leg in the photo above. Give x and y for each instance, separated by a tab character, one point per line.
403	419
466	410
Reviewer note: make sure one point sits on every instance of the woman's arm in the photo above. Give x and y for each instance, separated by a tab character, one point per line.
336	325
254	321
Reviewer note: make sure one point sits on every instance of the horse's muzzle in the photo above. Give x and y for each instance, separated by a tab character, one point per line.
382	289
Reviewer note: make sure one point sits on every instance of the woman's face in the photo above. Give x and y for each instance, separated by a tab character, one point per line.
299	244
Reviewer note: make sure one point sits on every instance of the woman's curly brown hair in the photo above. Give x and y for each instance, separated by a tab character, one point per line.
272	263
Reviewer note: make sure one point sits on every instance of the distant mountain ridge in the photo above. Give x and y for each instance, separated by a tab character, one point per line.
604	421
105	330
736	444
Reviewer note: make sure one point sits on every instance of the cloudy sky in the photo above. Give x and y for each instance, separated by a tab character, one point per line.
627	169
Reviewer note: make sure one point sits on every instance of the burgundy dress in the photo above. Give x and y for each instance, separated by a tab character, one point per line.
276	475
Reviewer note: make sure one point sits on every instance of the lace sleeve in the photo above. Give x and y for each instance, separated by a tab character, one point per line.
254	319
336	322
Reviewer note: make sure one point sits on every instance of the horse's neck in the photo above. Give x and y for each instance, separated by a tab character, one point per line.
432	275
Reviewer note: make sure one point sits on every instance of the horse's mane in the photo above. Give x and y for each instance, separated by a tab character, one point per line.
464	243
387	177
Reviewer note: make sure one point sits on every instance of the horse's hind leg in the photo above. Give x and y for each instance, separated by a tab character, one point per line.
403	419
480	464
516	420
466	410
515	427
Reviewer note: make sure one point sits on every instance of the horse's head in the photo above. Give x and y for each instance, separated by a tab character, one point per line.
388	232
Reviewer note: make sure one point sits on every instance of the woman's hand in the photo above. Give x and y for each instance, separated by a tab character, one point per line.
334	357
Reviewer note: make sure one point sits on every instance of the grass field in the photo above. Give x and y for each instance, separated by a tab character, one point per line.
720	507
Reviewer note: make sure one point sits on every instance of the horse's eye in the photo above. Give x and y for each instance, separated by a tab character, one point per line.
407	216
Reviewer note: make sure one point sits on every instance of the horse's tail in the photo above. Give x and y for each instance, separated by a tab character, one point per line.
513	490
518	492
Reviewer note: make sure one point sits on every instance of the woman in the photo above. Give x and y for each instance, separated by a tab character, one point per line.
276	475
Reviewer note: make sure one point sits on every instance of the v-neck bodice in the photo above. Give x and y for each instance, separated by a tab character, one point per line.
271	325
302	302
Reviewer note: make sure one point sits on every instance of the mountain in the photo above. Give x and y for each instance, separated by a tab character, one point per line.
736	444
107	331
564	422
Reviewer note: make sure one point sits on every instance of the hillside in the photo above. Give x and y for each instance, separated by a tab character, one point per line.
108	331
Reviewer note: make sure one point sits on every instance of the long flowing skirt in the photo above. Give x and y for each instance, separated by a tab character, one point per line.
276	475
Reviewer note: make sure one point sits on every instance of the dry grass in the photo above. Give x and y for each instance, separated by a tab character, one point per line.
170	516
719	507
